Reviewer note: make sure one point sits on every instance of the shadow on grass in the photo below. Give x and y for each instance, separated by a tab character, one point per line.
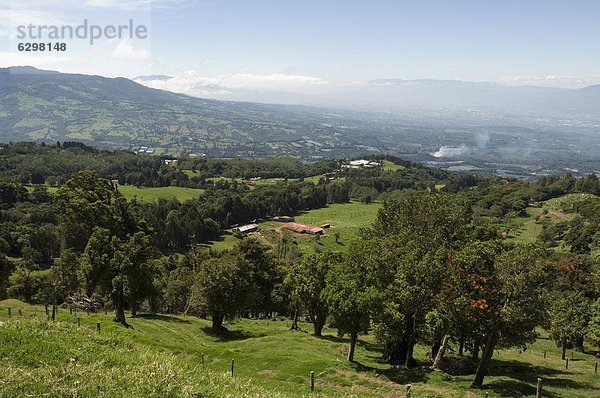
524	378
231	335
164	318
398	375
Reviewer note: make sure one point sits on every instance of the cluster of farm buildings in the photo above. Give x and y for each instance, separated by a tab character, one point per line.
288	224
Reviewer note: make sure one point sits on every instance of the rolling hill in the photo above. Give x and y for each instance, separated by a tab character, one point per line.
119	113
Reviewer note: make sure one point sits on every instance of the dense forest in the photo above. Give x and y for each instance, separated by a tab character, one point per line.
433	268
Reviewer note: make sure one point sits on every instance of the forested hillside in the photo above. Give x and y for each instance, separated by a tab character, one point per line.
449	269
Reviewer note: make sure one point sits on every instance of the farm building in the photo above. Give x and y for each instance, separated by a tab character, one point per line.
282	219
357	164
244	229
303	229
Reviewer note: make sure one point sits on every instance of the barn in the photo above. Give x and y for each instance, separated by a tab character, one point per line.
303	228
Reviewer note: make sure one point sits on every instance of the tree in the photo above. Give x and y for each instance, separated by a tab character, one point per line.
87	202
569	318
221	289
408	250
349	300
308	279
515	302
117	269
6	268
594	325
263	273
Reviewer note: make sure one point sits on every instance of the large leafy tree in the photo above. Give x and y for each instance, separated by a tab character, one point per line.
118	268
569	318
515	302
88	201
409	248
221	289
308	279
350	300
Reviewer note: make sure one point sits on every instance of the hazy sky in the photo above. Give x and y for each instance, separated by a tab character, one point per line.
268	43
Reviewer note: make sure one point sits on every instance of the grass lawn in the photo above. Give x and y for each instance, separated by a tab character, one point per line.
152	194
162	357
391	166
345	219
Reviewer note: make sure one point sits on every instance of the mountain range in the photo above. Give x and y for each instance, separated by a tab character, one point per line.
423	120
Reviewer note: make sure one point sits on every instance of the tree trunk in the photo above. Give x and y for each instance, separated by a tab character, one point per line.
486	357
133	310
318	323
409	361
440	354
461	346
53	311
476	347
578	346
295	322
435	347
217	323
352	346
120	307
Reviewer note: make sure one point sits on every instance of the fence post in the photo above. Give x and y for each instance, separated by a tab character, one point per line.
78	322
98	327
538	390
232	366
202	358
544	354
567	363
20	312
9	311
408	392
596	368
312	381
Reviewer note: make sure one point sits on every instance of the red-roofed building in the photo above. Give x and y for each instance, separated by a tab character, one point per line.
303	229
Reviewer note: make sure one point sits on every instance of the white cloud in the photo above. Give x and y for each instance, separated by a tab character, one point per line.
131	4
553	81
125	50
193	83
11	18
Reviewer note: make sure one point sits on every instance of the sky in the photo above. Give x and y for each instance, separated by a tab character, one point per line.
306	46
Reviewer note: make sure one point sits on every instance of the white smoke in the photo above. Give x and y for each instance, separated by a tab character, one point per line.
450	151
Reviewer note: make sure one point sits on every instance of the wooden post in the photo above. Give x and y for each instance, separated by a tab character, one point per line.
202	358
20	312
232	365
71	310
78	322
9	311
98	327
544	354
596	368
538	390
408	392
312	381
567	364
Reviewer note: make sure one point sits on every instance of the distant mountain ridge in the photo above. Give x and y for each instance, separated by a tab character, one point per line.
120	113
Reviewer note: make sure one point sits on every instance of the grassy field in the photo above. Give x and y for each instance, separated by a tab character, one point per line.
391	166
152	194
162	357
345	219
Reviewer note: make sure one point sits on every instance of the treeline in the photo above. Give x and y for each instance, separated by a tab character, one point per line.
31	163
